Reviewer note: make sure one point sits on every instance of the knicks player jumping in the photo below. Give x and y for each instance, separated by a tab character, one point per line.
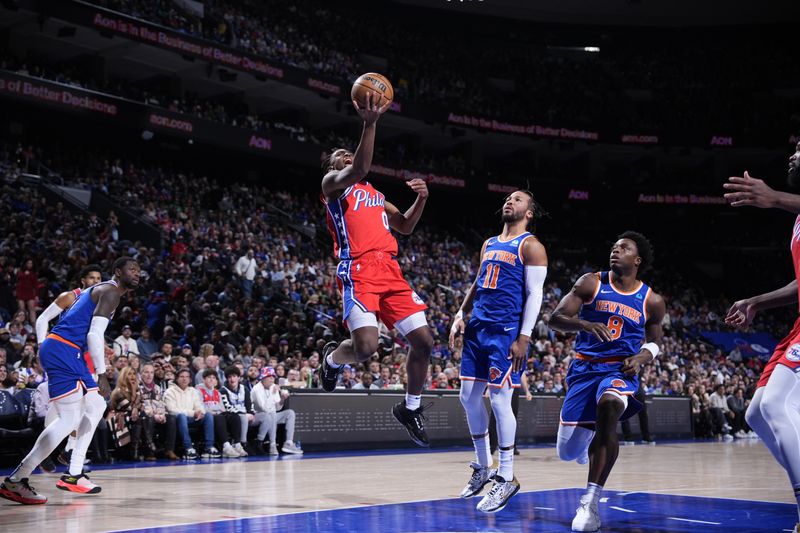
504	302
73	390
618	321
372	285
90	276
774	412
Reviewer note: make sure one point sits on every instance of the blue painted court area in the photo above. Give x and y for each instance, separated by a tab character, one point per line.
535	512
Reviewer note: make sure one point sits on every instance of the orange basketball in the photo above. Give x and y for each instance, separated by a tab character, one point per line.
374	83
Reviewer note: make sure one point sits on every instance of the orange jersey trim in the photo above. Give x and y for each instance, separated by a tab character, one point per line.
62	339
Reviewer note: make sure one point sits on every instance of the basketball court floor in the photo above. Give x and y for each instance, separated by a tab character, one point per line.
670	487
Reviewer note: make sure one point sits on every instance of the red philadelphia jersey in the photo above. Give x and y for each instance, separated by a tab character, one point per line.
358	222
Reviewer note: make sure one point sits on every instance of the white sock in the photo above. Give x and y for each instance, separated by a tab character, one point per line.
70	443
331	362
506	470
413	401
483	453
593	490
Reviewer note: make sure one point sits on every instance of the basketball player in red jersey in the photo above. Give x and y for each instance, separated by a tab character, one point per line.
774	412
369	278
90	276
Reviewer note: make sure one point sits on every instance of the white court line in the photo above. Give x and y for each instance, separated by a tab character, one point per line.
695	521
620	509
545	508
604	500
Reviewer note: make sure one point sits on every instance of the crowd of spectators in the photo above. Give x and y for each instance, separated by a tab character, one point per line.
512	73
239	285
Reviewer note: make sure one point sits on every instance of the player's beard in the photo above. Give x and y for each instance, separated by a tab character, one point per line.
509	218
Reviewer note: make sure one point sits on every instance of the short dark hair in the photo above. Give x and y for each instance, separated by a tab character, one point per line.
181	371
121	263
88	269
643	248
210	372
232	370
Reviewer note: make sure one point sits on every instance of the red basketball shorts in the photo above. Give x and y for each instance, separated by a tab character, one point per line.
786	353
374	283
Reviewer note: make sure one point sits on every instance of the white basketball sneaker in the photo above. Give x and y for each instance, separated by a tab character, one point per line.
481	475
587	517
497	497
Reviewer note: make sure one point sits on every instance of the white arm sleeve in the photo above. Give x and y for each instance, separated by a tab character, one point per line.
52	311
97	344
534	288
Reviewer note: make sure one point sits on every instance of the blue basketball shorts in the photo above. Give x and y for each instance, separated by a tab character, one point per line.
587	381
485	354
67	372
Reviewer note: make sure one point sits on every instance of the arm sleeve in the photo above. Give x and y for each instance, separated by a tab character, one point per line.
52	311
97	345
534	288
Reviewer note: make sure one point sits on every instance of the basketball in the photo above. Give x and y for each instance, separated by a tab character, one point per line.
374	83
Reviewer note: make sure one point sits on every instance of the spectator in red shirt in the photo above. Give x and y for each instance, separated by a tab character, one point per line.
27	289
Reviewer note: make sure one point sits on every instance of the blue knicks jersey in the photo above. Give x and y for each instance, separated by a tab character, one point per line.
500	292
623	313
75	322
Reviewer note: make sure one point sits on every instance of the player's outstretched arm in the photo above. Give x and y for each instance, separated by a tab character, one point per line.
741	313
63	301
746	190
338	180
466	306
653	335
565	317
406	222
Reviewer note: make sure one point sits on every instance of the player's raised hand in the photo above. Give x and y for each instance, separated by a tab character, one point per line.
746	190
371	112
518	354
597	329
741	314
457	329
418	186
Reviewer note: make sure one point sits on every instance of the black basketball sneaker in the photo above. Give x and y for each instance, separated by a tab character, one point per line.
413	422
328	376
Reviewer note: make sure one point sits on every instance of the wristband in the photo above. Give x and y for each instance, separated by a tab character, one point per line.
652	348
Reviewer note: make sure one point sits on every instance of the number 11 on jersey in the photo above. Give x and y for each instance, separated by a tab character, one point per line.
492	273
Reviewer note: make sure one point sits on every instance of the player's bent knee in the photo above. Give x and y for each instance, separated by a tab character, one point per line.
94	404
572	441
753	414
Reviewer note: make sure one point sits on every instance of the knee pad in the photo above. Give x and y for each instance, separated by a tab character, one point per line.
94	405
69	410
471	393
471	396
573	441
753	414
